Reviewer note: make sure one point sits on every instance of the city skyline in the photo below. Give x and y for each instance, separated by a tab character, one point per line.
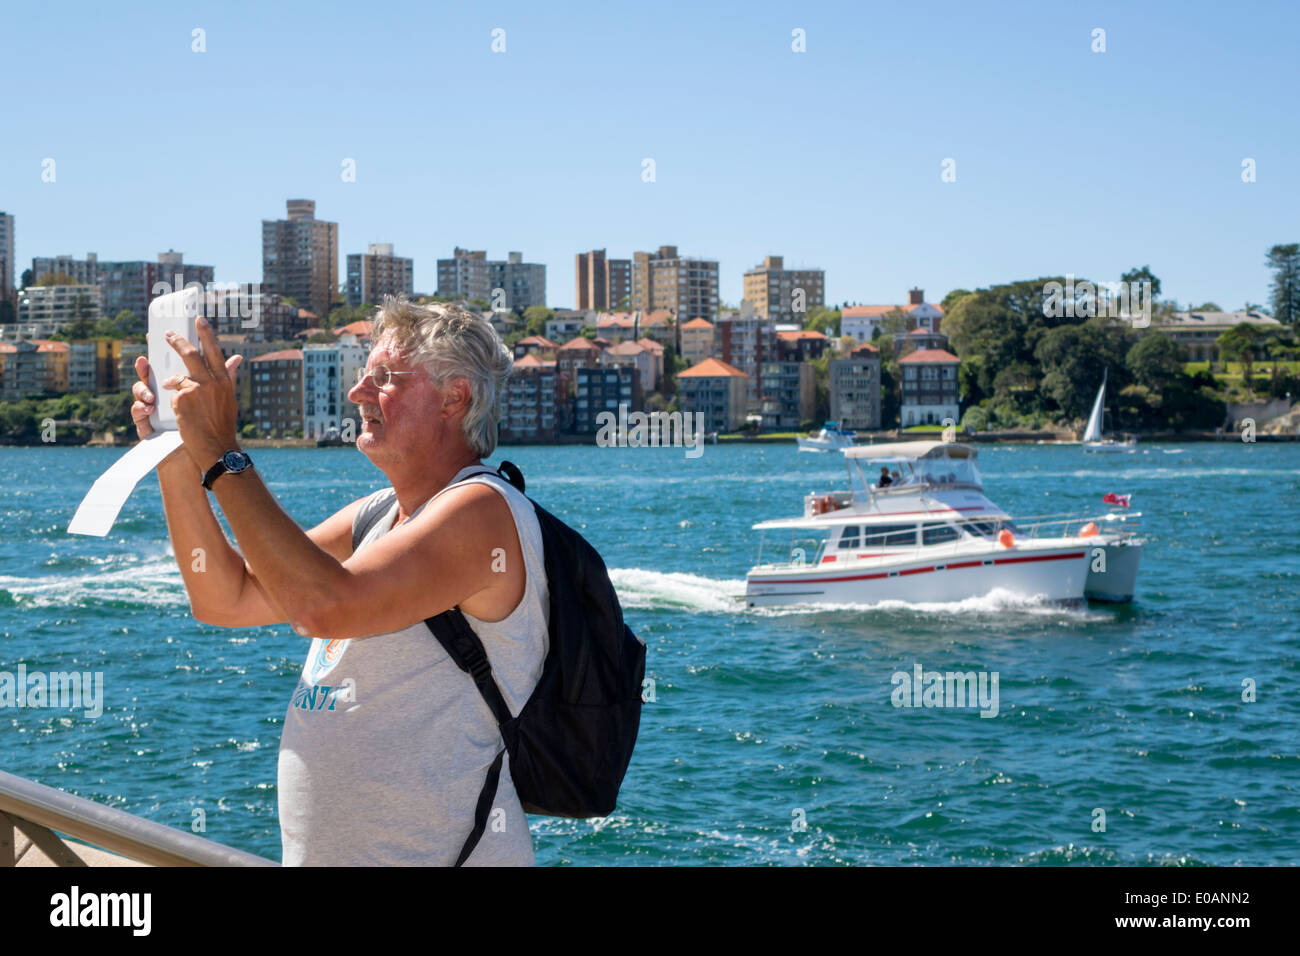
831	157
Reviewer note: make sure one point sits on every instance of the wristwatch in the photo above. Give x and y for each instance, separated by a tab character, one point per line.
232	461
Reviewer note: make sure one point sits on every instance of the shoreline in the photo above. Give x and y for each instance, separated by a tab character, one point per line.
981	438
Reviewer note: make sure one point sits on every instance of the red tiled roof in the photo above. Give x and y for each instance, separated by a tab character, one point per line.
579	345
864	347
291	354
49	345
712	368
801	334
529	361
657	317
929	355
866	311
304	314
698	324
650	345
360	328
541	340
627	348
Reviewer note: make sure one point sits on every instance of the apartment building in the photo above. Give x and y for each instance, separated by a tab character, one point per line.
784	295
789	394
277	393
328	373
697	340
685	286
575	354
300	257
802	346
930	394
471	275
44	309
602	283
8	281
536	401
629	354
745	340
718	390
855	388
568	323
32	368
128	285
603	390
376	273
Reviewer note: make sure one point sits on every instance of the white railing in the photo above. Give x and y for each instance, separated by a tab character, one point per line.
38	811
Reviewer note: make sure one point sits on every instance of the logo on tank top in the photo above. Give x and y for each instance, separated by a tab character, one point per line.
326	655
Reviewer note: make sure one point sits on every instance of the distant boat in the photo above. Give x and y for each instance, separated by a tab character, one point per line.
830	438
1092	440
331	439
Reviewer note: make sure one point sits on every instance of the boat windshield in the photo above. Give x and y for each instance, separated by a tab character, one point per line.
892	473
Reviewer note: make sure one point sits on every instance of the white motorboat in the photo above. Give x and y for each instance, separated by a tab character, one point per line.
830	438
1092	440
915	526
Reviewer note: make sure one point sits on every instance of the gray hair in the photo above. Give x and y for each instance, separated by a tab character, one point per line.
449	343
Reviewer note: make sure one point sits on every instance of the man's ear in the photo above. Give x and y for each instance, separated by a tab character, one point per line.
457	393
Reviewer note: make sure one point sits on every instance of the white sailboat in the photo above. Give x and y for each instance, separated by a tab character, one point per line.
1092	440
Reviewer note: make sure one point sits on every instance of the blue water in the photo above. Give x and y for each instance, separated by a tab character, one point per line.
762	719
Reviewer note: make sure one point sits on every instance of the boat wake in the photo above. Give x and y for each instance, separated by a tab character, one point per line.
675	591
127	580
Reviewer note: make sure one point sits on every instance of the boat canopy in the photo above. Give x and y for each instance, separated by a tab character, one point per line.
912	449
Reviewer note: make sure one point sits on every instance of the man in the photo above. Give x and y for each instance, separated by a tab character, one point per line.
386	742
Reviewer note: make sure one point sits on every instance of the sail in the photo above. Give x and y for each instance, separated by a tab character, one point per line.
1093	431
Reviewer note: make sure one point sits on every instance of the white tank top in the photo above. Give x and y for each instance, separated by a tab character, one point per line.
387	742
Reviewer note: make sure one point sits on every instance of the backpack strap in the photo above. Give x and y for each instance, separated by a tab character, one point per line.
367	516
466	649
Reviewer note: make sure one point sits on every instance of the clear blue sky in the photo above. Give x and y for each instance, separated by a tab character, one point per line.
1066	160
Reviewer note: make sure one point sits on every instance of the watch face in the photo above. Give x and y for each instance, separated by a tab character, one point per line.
235	461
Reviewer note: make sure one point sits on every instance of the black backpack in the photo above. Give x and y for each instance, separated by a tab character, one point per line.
572	741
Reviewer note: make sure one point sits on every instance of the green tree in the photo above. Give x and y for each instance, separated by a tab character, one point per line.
952	298
1143	274
1074	358
1205	307
1157	362
1238	344
8	314
56	278
823	320
535	319
1285	263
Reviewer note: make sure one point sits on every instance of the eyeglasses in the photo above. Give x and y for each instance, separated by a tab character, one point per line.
383	375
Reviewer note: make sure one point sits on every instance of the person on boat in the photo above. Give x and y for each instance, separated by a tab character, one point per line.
885	481
386	741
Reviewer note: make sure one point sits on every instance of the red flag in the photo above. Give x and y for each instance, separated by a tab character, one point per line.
1113	499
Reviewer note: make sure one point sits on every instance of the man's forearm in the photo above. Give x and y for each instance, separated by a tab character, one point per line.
213	571
294	572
